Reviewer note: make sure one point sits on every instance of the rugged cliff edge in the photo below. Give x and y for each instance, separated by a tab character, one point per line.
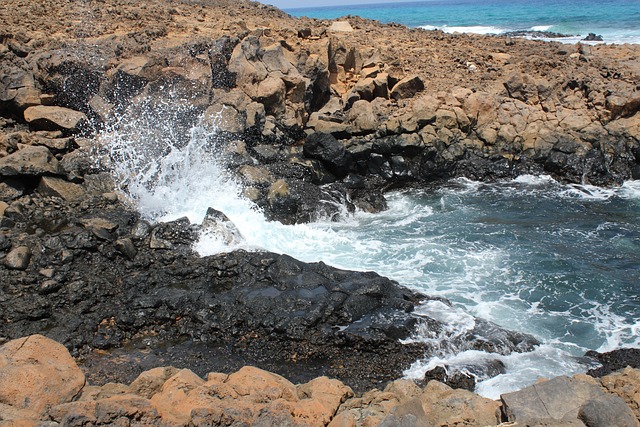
311	115
389	106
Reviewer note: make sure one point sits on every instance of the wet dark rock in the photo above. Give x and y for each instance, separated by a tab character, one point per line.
96	281
179	234
453	378
534	34
592	37
5	243
11	189
326	148
219	56
465	376
614	360
369	200
126	247
489	337
293	201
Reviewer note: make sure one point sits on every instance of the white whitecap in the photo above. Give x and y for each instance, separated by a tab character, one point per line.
630	190
473	29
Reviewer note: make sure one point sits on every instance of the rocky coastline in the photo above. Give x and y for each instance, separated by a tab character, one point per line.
312	117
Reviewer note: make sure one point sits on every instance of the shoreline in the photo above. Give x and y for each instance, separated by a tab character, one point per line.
40	384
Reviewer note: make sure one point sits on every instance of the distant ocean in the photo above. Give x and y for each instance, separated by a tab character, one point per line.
617	21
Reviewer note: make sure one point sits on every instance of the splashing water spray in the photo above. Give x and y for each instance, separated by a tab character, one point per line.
171	163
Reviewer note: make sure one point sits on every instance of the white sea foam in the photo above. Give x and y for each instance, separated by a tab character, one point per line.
609	35
618	331
535	180
630	190
473	29
523	369
541	27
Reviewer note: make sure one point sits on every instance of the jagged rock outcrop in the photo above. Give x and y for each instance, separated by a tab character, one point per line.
409	106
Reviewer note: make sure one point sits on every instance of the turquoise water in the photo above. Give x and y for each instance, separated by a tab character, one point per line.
618	21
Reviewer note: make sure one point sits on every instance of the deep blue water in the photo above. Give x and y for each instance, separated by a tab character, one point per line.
618	21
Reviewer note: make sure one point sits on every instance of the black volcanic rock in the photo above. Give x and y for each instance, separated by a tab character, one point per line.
614	360
141	294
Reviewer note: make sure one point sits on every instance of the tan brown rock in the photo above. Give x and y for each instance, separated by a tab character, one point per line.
625	384
18	258
18	87
446	406
180	394
446	119
150	382
320	399
341	27
261	384
44	117
254	175
407	87
271	93
10	416
224	118
481	107
362	117
58	187
113	411
37	373
30	160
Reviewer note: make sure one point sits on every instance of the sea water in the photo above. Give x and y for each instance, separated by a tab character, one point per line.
560	262
618	21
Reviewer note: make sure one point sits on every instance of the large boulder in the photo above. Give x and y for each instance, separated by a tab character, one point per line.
625	384
326	148
18	87
42	117
37	373
566	399
30	160
446	406
407	87
363	118
58	187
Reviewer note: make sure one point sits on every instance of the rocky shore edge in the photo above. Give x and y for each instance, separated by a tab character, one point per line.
41	385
